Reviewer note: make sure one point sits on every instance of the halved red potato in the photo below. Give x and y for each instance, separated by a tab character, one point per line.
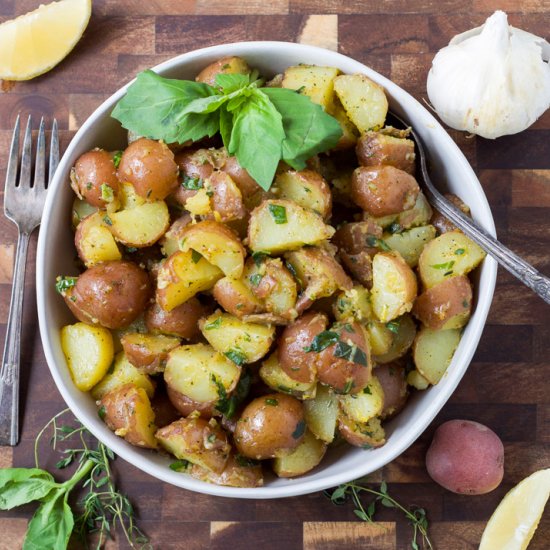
236	297
377	148
368	435
393	379
217	243
238	472
94	242
181	321
148	352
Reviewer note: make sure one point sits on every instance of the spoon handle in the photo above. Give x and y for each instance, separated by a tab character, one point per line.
517	266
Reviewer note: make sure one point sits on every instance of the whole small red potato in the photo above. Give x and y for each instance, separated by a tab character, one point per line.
466	457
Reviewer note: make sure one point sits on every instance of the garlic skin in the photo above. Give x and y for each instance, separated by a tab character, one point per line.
492	80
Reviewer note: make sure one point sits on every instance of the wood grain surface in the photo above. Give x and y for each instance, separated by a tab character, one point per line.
506	386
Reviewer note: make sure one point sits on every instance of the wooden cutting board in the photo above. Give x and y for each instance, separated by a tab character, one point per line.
507	385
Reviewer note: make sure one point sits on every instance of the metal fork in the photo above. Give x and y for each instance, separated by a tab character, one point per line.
23	205
525	272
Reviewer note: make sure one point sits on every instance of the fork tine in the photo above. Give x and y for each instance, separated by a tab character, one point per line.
40	162
54	151
13	161
26	158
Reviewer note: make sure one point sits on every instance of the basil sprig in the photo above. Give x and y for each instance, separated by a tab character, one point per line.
260	126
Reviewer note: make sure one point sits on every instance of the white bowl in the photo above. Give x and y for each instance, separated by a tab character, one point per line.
56	257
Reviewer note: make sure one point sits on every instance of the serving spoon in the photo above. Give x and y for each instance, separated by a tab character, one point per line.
525	272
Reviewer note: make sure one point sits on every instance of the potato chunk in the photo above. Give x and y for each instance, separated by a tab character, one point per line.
394	286
182	276
239	341
376	149
217	243
302	459
321	413
277	379
366	404
148	352
411	243
127	411
365	101
94	242
448	255
278	225
89	352
306	188
433	351
202	442
141	226
121	373
236	297
314	81
199	371
402	332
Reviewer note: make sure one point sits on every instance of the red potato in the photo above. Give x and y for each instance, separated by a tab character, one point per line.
299	364
150	167
225	65
241	177
186	406
446	305
227	199
466	457
440	222
181	321
346	373
236	297
94	178
193	164
393	380
383	190
376	149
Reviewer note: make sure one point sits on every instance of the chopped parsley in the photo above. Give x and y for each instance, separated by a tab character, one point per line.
255	279
395	228
299	430
193	184
245	462
180	465
378	243
237	356
213	324
116	158
227	405
271	401
446	265
351	353
278	213
259	257
107	220
101	412
348	387
107	193
460	251
63	284
195	256
322	341
393	326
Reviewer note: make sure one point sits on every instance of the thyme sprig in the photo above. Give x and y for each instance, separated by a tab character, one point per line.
417	516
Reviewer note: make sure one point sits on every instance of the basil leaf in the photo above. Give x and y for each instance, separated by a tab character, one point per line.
51	525
21	485
152	107
231	82
226	124
257	126
323	340
308	129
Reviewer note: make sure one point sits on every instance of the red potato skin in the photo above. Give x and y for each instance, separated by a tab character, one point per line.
383	190
193	164
90	172
375	149
111	294
165	412
440	222
241	177
185	405
150	167
393	380
466	457
227	198
338	372
297	363
181	321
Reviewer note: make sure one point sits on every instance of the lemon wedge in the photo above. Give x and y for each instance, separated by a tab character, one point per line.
515	520
32	44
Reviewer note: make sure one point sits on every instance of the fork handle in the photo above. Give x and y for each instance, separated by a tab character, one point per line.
517	266
9	374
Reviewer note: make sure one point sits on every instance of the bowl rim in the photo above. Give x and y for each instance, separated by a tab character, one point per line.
298	485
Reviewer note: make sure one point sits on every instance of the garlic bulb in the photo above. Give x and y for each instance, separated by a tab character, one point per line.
491	81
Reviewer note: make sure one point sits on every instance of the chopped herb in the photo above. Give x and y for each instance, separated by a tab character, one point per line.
465	304
63	284
460	251
348	328
446	265
367	390
89	185
228	405
322	341
180	465
237	356
131	249
300	90
259	257
116	158
393	326
447	273
107	220
378	243
211	438
255	279
226	66
192	184
300	430
101	412
213	324
284	389
395	228
278	213
195	256
348	387
245	462
271	401
367	447
209	193
107	193
351	353
293	271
